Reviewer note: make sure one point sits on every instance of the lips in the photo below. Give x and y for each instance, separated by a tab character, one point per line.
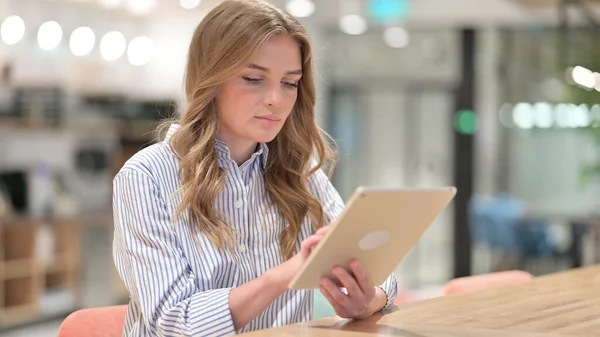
268	121
269	118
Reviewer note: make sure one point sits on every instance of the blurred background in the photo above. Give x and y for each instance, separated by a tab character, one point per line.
496	97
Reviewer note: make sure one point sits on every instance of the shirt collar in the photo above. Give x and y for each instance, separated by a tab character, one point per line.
174	127
223	150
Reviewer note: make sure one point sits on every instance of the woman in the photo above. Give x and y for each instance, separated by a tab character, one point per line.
213	222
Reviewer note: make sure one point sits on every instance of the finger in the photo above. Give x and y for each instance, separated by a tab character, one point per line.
344	301
339	301
361	277
339	310
348	282
335	291
308	244
322	231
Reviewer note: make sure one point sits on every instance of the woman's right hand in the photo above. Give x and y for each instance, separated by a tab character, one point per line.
286	271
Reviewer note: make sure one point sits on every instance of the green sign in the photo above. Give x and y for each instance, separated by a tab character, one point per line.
465	122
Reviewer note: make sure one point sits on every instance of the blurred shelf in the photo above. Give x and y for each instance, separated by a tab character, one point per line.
63	262
40	263
9	123
18	291
18	268
17	315
37	124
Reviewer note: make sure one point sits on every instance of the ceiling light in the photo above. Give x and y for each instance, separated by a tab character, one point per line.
140	7
140	51
353	24
49	35
189	4
597	81
12	30
82	41
543	115
112	46
396	37
110	4
523	116
300	8
583	77
561	115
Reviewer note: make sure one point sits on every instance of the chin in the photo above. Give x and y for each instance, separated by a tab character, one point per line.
265	137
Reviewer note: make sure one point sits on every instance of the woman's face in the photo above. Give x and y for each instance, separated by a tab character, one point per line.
253	106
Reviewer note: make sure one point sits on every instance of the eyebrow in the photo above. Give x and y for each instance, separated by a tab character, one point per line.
266	70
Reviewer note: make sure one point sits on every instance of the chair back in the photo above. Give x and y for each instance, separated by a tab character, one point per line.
95	322
485	281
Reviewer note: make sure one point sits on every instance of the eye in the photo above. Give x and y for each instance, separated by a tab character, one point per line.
252	80
290	84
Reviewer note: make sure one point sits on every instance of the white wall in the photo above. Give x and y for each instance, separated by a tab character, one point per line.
454	14
384	151
430	155
366	58
408	143
403	109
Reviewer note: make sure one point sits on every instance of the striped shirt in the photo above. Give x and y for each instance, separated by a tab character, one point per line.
179	284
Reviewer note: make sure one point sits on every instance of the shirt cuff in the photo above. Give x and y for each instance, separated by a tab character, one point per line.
390	288
217	320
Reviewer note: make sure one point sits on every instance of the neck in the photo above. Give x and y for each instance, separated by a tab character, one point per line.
240	151
241	154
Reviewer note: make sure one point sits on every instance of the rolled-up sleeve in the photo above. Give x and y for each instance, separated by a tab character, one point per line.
149	259
390	288
321	187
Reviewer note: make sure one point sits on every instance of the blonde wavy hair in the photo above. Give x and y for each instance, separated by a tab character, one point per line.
222	45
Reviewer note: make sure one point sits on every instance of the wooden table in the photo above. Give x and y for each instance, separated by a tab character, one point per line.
562	304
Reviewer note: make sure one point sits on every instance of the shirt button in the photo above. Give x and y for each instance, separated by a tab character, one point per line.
242	249
238	204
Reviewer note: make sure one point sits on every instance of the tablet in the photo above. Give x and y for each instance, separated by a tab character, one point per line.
377	227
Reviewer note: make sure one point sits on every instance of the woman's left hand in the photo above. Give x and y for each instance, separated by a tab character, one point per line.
361	300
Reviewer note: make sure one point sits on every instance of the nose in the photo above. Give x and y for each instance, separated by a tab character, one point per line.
273	96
